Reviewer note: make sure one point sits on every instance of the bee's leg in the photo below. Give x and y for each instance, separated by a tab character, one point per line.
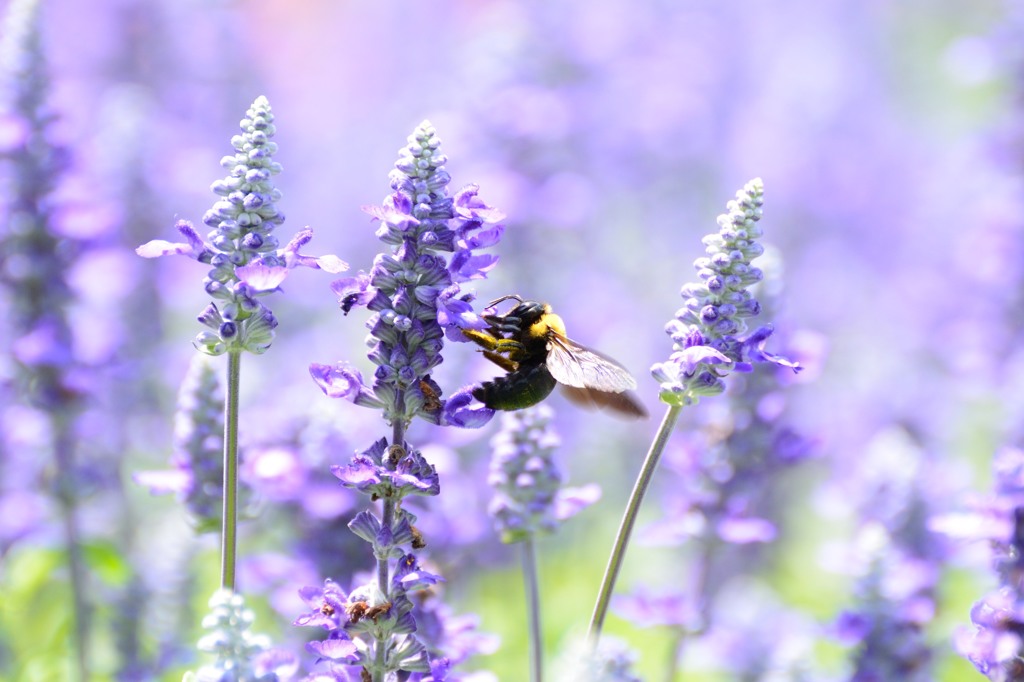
501	361
503	324
491	342
507	346
488	341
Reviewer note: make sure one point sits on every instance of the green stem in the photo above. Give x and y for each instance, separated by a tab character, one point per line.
64	456
229	518
383	580
643	481
383	569
531	582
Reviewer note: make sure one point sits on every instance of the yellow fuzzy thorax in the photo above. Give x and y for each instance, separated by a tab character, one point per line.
547	321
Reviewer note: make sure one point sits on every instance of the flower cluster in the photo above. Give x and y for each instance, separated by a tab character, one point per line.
379	610
241	656
894	603
34	257
416	300
897	559
528	498
382	617
707	332
404	473
246	260
198	472
415	295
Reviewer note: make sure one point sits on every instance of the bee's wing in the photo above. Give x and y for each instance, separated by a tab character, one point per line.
625	403
575	365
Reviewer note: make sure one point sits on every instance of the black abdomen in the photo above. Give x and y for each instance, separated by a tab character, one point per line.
524	387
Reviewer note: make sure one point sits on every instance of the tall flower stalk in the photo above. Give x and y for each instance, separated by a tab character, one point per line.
416	300
529	500
708	345
34	261
246	264
723	478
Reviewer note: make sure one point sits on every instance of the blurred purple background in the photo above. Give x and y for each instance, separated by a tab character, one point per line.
611	133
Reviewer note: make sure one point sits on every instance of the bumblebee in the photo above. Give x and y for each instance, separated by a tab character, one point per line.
530	344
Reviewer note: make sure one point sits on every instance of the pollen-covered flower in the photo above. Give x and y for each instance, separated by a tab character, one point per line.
389	472
708	331
527	484
370	612
414	289
246	259
329	606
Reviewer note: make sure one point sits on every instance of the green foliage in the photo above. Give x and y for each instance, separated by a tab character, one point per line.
35	616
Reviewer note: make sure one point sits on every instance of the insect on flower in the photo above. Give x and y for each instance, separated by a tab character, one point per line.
431	395
356	611
529	342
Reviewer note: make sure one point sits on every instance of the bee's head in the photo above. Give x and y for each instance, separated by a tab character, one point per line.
519	317
528	311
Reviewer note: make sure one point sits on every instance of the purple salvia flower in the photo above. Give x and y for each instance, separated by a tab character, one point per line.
246	258
414	296
462	410
894	603
722	500
369	473
240	655
707	346
369	612
34	264
328	605
995	643
198	471
34	257
411	576
413	291
707	332
898	561
725	473
527	484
